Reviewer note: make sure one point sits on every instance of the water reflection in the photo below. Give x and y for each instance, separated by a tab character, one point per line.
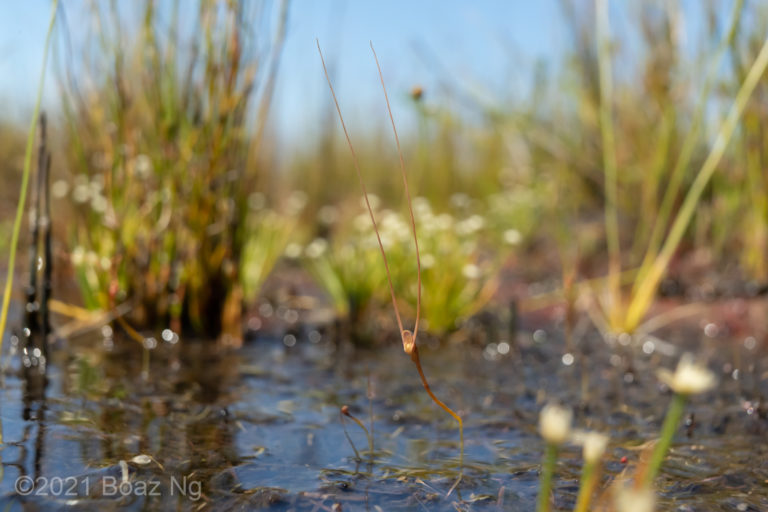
260	427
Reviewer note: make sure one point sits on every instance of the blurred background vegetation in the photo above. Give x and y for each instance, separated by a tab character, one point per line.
175	193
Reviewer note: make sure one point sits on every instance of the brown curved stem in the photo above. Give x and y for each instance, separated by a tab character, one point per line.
407	195
362	186
417	362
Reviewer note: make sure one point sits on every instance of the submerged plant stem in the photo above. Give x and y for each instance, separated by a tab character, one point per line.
671	421
25	182
342	413
547	471
417	362
345	412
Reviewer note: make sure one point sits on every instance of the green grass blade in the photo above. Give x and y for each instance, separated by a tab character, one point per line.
686	153
25	182
609	156
642	299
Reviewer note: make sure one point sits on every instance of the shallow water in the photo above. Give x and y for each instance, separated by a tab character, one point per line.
261	427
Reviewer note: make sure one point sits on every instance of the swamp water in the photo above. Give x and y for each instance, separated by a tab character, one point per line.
260	427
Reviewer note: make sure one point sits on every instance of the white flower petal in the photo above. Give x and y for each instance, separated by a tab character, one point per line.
555	423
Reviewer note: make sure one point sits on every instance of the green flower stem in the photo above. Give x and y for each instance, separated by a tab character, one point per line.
674	414
587	486
547	470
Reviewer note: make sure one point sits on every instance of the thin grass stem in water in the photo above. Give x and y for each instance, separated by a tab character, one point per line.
368	436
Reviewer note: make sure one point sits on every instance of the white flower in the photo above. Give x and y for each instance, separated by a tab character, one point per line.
81	194
421	206
593	444
296	202
460	200
96	184
512	237
328	215
362	222
98	203
444	221
427	260
59	189
373	200
143	165
393	225
555	423
78	256
689	378
293	250
470	225
316	248
386	240
630	499
471	271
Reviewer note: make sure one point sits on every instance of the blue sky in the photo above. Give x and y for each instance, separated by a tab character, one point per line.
474	40
479	43
488	46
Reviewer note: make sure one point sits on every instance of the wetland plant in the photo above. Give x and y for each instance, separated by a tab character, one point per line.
25	182
688	379
347	265
458	274
165	155
408	337
593	447
458	277
344	412
555	429
625	314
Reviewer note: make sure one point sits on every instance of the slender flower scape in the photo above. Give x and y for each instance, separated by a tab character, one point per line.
689	378
593	445
408	337
555	428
